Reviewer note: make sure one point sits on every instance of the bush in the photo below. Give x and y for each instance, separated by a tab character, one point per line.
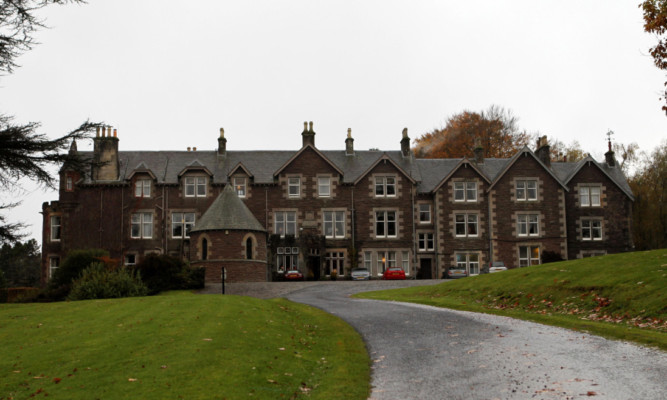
161	272
195	278
550	256
99	282
72	266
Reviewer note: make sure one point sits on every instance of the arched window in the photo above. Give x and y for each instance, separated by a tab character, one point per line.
248	248
204	249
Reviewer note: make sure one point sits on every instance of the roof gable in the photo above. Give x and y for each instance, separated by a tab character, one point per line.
303	149
589	161
525	152
386	158
464	163
241	167
228	212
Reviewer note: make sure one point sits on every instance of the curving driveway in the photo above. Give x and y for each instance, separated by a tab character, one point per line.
422	352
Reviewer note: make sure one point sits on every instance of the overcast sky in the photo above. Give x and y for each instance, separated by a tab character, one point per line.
169	74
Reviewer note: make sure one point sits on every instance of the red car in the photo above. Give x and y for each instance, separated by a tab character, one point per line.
394	273
293	275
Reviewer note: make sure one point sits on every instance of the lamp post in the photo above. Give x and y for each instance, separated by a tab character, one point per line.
224	276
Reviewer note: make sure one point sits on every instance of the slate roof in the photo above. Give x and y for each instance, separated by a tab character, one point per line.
228	212
262	165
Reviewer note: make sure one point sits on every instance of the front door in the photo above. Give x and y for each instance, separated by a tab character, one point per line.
313	265
425	270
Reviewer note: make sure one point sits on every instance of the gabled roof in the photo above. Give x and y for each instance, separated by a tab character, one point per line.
241	167
514	159
195	165
298	153
228	212
141	169
618	178
385	157
464	162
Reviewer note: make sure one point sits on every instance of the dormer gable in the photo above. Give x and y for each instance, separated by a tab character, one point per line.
387	160
590	162
464	163
305	148
525	152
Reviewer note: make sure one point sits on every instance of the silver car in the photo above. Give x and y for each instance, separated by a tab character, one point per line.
360	274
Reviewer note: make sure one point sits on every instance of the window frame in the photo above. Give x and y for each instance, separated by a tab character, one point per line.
528	260
588	232
424	213
382	186
465	261
333	221
283	218
69	183
524	222
52	269
425	241
385	259
241	189
586	192
290	259
385	223
522	189
126	259
334	259
322	185
183	223
294	182
467	223
197	184
55	229
142	225
465	191
142	188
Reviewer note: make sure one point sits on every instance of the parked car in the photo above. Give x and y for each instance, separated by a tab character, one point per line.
394	273
454	273
293	275
497	266
360	274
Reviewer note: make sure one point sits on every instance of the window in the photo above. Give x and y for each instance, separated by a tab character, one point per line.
468	262
142	188
465	191
526	190
335	260
466	225
589	196
334	224
425	242
385	224
424	213
591	229
181	223
55	228
204	249
367	260
385	259
294	187
324	187
385	186
130	259
54	263
287	258
195	186
285	223
69	184
142	226
529	255
527	225
240	187
405	261
248	249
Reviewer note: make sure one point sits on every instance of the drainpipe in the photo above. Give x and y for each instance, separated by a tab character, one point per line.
414	231
488	197
436	224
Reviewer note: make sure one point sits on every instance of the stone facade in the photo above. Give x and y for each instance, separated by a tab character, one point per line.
325	210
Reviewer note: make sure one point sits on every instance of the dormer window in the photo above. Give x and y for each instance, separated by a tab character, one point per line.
240	187
195	186
142	188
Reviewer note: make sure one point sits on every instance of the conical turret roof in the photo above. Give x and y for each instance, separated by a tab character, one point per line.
228	212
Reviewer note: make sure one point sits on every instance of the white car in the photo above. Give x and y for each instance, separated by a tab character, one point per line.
497	266
360	274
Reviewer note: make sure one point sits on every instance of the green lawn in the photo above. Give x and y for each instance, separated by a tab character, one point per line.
621	296
179	346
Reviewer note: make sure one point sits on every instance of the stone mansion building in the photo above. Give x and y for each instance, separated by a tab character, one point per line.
259	213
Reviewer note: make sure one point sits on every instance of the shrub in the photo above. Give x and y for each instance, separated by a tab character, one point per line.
550	256
195	278
72	266
161	272
99	282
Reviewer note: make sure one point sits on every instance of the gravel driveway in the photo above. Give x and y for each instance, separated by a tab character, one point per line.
421	352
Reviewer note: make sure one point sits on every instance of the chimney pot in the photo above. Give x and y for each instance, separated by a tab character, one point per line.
97	134
310	129
349	133
188	148
405	132
222	132
115	133
194	149
305	126
405	144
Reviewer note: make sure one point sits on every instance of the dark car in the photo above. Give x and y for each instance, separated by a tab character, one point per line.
293	275
394	273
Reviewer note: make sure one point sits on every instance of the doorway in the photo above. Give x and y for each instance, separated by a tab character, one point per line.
425	269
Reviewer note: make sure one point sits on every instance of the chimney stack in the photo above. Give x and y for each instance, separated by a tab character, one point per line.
308	134
405	144
543	151
222	143
609	155
478	151
349	143
105	165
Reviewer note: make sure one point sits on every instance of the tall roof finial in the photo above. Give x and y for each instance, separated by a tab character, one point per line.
609	133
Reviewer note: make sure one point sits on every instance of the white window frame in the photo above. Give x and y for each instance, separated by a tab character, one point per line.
130	259
385	259
334	260
385	186
143	221
425	241
183	220
285	223
368	260
69	184
528	258
54	264
56	228
469	223
324	186
142	188
590	196
465	191
287	259
528	225
195	186
405	261
293	186
589	228
468	262
383	221
526	189
240	187
424	213
333	224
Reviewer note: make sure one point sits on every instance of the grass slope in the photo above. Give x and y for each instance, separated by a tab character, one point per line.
621	296
179	345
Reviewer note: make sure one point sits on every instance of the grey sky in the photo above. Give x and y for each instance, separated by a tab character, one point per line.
169	74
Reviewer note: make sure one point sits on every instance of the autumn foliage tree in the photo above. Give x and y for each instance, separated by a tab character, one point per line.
655	22
496	128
